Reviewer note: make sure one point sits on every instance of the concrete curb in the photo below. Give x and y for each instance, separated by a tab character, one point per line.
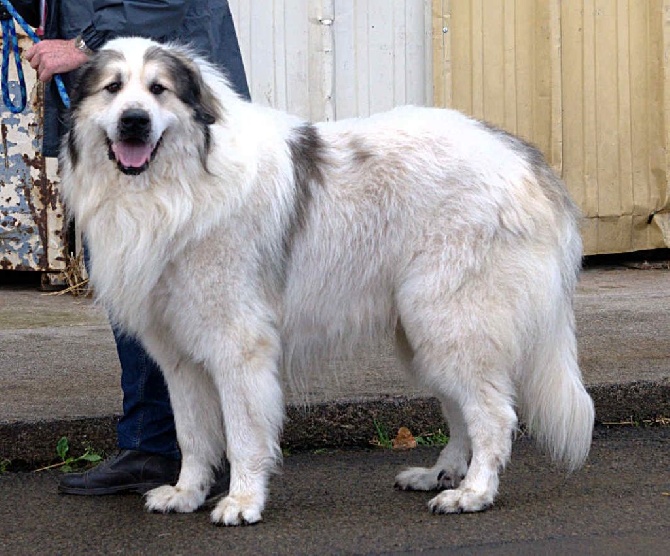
324	425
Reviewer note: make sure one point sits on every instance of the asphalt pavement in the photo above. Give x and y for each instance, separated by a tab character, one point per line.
343	502
59	376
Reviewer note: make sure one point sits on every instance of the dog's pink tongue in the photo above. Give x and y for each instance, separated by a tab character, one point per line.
132	155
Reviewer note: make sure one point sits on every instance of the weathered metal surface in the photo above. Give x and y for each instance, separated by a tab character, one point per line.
330	60
32	223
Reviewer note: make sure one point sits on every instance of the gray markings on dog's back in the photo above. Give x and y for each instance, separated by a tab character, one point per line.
308	157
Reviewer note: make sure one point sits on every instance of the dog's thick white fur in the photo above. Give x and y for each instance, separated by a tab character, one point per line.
236	241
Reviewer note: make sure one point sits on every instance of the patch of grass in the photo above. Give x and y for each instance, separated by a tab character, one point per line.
437	438
4	466
381	438
70	463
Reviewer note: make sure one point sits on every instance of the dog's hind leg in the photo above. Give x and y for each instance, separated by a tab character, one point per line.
199	424
482	410
490	420
451	466
465	348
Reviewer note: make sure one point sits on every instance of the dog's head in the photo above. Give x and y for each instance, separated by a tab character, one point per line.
135	93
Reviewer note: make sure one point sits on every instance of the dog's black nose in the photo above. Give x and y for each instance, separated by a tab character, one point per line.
135	123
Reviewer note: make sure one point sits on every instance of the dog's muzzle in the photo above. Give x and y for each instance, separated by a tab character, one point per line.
133	149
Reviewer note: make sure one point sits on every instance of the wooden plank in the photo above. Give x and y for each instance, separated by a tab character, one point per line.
664	190
555	152
590	137
541	131
524	71
441	34
639	91
572	94
657	77
462	56
606	97
492	62
478	67
625	170
510	54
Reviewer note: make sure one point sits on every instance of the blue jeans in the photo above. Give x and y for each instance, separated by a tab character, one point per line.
147	423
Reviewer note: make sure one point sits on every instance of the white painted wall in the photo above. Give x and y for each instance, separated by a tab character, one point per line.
333	59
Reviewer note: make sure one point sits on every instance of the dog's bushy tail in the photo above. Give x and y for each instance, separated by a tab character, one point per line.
557	409
554	403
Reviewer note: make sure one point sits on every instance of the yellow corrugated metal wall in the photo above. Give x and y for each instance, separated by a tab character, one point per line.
586	81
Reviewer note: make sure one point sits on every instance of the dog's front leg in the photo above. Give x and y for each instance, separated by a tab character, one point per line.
253	411
197	414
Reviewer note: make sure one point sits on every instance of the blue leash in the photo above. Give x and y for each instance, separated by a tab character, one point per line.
11	42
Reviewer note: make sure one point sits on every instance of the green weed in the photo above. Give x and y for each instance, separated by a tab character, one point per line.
381	438
437	438
70	463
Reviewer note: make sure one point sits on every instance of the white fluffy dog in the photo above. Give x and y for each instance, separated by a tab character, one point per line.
236	241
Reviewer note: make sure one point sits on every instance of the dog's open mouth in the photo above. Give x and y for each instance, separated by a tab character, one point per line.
132	156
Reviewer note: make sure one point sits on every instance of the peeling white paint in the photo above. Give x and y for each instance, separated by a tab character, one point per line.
31	214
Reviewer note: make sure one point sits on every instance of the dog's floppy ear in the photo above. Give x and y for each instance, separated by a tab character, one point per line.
189	83
206	105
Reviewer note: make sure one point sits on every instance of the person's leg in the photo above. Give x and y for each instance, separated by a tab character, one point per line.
148	455
147	423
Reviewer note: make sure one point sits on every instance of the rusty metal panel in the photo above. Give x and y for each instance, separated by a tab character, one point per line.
32	223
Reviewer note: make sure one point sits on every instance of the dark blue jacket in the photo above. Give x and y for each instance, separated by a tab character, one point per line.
207	25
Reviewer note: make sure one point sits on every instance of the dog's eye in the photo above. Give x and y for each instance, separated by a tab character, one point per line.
113	87
156	89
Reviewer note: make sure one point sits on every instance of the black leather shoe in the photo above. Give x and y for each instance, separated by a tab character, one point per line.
128	471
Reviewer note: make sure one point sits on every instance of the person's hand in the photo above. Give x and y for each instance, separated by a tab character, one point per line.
50	57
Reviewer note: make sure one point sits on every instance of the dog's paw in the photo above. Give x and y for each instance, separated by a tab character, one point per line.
168	498
460	500
237	510
417	478
449	478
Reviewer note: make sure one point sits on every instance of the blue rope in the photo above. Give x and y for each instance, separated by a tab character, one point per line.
10	42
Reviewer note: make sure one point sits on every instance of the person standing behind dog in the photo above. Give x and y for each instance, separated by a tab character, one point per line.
74	29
